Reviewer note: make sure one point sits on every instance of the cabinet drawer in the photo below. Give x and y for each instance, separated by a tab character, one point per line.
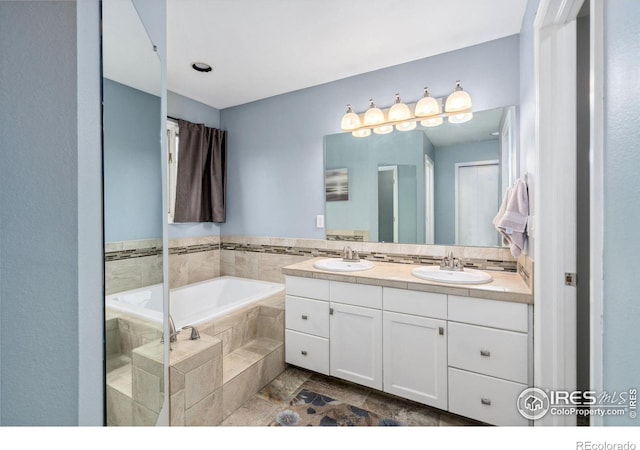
307	316
307	287
484	398
490	313
489	351
356	294
304	350
414	302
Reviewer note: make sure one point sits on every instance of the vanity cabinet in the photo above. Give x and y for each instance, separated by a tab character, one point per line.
467	355
489	359
415	358
355	344
415	345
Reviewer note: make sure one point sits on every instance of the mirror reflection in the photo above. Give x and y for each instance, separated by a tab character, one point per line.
131	88
441	185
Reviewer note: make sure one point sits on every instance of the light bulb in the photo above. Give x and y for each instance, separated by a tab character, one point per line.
399	111
431	122
459	100
427	105
364	132
406	126
384	129
374	115
461	117
350	120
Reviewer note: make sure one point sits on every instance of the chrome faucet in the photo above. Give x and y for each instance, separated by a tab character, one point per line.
451	263
349	255
194	332
173	334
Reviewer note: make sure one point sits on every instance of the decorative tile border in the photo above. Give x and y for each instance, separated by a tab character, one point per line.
197	248
120	255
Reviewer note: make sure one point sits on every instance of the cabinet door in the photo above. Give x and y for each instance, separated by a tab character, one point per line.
356	344
415	358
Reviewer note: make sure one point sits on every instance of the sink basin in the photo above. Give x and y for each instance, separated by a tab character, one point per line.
338	265
467	276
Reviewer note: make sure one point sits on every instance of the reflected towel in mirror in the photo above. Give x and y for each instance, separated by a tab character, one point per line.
511	220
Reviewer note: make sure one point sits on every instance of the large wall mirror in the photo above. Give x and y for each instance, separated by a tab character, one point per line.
441	185
133	218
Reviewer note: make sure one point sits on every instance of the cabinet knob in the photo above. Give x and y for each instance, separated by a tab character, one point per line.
485	401
441	331
304	352
485	353
304	317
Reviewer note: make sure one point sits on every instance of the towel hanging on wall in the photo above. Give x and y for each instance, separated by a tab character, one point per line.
202	174
512	217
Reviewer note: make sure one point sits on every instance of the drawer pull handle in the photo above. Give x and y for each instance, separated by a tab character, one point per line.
485	353
304	352
485	401
304	317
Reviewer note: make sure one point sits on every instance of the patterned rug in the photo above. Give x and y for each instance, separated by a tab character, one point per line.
311	409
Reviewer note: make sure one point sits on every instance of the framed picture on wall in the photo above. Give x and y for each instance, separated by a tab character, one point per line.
336	182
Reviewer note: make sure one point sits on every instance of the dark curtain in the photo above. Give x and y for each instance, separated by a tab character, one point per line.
202	174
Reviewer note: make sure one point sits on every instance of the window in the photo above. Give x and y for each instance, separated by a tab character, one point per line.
173	138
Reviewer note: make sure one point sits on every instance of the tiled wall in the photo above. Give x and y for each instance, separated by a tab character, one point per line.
263	257
132	264
193	259
135	264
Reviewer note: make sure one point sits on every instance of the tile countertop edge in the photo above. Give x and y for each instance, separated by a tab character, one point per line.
407	281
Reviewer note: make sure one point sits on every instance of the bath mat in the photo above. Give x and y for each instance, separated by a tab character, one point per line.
311	409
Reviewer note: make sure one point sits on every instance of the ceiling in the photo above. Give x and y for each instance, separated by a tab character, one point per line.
262	48
128	54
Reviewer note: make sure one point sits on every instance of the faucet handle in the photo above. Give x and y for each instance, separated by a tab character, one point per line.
194	332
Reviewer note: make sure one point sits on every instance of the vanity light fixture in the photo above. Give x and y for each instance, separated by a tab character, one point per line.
374	115
350	120
458	105
427	111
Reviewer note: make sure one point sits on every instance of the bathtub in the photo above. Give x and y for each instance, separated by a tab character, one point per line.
195	303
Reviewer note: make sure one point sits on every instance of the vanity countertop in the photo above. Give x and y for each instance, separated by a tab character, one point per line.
506	286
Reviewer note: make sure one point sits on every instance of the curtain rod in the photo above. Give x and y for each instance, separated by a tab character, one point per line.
173	118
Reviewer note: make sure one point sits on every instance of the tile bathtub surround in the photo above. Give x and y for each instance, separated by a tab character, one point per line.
193	259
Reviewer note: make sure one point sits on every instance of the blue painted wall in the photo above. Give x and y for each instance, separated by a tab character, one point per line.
621	200
39	303
132	176
444	182
275	168
182	107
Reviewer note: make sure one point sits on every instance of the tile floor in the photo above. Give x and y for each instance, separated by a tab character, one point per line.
263	407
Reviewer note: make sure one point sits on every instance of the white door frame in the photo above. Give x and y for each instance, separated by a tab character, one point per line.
429	229
596	198
555	217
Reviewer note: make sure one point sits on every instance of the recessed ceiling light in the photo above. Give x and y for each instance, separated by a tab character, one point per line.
495	133
201	67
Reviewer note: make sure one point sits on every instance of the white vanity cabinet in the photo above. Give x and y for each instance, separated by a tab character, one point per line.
489	359
467	355
415	346
307	323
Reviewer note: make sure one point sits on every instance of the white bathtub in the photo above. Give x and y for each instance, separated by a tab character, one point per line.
195	303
